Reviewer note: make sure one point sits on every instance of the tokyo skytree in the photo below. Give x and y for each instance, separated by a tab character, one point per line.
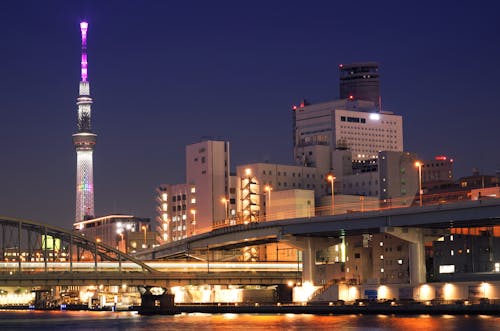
84	141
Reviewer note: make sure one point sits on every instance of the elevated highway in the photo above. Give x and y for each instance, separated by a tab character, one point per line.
478	213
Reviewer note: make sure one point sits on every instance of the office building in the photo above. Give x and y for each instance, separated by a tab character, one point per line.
355	125
207	199
437	173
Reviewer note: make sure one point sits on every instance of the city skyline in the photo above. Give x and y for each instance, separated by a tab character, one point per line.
165	76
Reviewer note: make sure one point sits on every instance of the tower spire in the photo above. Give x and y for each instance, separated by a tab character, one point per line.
84	140
83	28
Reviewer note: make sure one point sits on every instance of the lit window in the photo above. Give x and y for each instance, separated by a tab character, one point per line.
497	267
381	243
381	269
447	269
164	206
184	217
193	189
451	237
452	252
193	200
381	257
164	196
400	262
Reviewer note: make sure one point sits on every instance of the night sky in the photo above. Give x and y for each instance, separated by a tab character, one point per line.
165	74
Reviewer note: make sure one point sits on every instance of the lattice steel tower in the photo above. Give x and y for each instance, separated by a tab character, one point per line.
84	141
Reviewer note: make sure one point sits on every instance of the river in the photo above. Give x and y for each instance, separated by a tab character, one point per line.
95	321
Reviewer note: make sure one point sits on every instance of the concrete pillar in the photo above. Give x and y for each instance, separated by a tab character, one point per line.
309	246
416	256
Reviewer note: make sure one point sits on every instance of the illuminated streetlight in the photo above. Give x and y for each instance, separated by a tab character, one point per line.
419	165
225	202
122	241
268	189
331	178
145	229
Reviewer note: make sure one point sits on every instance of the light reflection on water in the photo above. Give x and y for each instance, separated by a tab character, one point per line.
94	321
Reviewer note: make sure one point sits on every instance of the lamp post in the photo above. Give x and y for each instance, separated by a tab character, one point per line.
331	178
268	189
193	222
122	243
418	164
145	229
225	201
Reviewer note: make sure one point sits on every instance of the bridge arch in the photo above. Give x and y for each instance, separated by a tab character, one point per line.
26	241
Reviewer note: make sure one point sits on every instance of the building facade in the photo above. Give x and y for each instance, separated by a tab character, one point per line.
126	233
356	125
206	200
437	173
255	180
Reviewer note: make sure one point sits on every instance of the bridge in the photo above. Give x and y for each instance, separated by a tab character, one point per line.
312	233
36	254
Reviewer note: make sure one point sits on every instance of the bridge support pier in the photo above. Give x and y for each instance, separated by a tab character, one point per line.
156	300
309	246
416	258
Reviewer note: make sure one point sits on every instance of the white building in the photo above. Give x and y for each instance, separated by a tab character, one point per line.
353	124
205	200
253	179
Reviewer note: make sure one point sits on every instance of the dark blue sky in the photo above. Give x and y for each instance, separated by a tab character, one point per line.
164	74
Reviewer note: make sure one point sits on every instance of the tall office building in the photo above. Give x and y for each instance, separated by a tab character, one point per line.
207	167
356	125
84	141
207	199
360	81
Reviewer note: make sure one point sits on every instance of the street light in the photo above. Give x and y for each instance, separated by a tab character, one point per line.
193	222
145	229
331	178
419	165
122	242
268	189
225	201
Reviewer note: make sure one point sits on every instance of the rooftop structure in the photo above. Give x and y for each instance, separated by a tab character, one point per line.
360	81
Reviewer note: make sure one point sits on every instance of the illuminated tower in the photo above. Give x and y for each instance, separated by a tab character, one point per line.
84	141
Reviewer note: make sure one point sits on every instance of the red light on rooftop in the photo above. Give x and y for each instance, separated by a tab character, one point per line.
351	97
341	65
440	158
294	107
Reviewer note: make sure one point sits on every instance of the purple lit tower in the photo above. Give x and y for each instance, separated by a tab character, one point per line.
84	141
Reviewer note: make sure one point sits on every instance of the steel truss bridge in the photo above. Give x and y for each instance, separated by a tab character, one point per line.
36	254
